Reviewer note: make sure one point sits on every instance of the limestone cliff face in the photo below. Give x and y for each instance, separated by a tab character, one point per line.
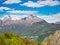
53	39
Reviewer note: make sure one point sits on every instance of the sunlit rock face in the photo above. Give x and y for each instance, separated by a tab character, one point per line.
32	20
53	39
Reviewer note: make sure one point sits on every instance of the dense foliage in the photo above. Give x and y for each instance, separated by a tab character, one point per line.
12	39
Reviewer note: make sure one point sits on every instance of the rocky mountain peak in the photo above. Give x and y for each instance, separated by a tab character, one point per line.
31	19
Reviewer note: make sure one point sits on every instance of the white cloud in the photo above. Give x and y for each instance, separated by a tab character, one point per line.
41	3
31	4
12	1
52	18
22	12
4	8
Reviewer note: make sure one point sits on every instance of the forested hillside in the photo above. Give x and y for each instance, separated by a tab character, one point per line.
12	39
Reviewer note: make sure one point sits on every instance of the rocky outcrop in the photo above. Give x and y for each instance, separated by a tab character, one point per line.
53	39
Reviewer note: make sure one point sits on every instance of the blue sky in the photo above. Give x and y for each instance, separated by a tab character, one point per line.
43	8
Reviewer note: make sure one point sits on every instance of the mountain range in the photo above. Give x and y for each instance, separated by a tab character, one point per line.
31	26
26	20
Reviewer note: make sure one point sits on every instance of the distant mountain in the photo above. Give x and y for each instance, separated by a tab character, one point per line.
57	22
30	26
33	19
26	20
